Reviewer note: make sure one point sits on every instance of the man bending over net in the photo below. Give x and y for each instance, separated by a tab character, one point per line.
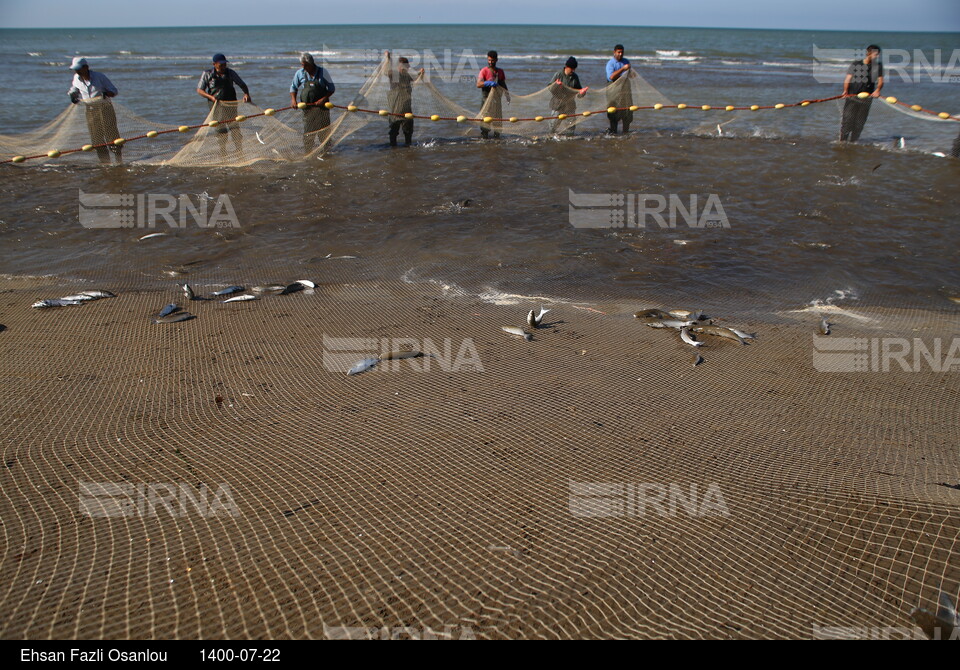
95	90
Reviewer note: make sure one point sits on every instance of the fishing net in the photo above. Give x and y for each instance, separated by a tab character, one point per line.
236	133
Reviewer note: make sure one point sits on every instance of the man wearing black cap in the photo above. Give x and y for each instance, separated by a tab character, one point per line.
863	76
313	86
217	86
565	88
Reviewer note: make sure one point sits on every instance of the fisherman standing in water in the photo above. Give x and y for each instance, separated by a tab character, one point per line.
217	86
864	76
618	94
95	90
564	90
313	86
492	80
400	99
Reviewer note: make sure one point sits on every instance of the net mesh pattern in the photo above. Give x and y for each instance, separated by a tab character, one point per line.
451	502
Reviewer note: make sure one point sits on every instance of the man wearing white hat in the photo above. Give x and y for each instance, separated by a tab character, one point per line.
95	90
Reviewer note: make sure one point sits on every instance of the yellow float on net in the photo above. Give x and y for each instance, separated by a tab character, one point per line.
269	111
152	134
863	94
328	105
19	159
86	147
705	108
408	115
658	106
119	142
633	108
487	119
184	129
779	105
461	119
916	108
805	103
353	108
434	117
589	113
240	119
538	118
892	100
681	106
213	124
561	117
301	105
729	108
943	115
383	112
53	154
513	119
754	108
611	110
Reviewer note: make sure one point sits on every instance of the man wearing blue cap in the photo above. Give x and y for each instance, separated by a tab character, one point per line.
217	86
95	91
564	90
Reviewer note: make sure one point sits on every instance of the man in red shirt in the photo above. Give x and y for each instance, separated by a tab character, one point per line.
492	80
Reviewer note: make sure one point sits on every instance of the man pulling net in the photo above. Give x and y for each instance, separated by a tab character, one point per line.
94	90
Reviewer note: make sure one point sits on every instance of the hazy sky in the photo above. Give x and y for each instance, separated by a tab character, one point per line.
876	15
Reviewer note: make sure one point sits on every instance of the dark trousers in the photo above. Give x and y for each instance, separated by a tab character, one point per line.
102	125
624	116
396	125
315	119
854	117
956	148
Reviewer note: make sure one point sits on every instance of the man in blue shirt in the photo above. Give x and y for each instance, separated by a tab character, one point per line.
95	91
618	90
312	85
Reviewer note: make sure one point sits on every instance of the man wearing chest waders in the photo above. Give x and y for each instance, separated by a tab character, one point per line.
863	76
218	85
95	90
313	86
400	99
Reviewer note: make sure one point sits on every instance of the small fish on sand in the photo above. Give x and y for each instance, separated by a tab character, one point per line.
98	293
176	317
230	290
686	337
746	336
151	236
269	288
685	314
534	320
651	314
187	291
169	309
519	332
671	323
718	331
241	298
56	302
824	326
362	366
298	285
399	355
698	360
